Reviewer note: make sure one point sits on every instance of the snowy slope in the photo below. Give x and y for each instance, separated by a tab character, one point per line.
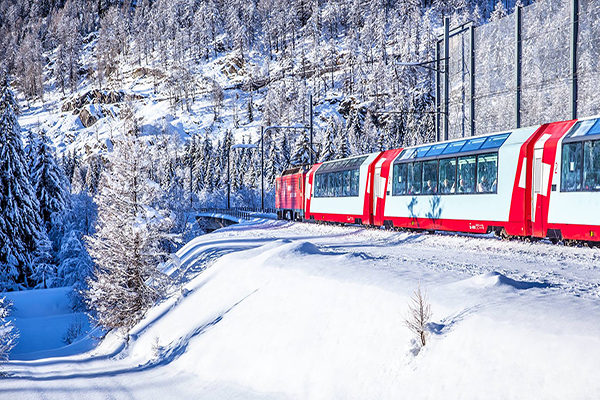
283	310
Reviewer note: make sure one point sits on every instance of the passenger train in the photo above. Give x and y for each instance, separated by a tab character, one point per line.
540	182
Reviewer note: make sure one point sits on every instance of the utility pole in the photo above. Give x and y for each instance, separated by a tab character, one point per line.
262	168
228	180
310	128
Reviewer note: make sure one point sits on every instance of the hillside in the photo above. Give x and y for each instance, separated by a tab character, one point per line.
279	310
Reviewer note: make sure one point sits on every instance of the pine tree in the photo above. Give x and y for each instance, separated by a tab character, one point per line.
8	333
328	152
22	235
499	11
51	189
342	145
75	264
128	244
301	152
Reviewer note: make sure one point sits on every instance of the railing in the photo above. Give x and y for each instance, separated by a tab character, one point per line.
241	212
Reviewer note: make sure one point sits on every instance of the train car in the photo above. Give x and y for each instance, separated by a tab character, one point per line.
341	190
478	185
566	182
541	181
289	197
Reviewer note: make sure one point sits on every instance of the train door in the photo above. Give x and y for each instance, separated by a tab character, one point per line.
378	187
539	188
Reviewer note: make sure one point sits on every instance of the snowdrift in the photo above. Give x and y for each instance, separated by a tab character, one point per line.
281	310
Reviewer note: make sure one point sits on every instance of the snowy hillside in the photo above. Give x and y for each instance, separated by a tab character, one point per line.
281	310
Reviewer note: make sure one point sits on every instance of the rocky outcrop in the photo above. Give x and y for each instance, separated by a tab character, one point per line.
93	97
89	115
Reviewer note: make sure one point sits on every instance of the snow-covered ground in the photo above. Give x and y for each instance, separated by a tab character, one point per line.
274	310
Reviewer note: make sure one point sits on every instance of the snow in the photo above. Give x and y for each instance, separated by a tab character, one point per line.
280	310
43	317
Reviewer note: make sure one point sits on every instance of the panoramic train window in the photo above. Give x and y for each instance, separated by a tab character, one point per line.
399	184
414	172
454	147
447	175
473	144
585	128
339	178
466	174
591	165
571	167
487	170
430	177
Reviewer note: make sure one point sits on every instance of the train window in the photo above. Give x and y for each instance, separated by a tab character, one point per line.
447	175
430	177
346	183
591	165
494	142
473	144
582	128
399	183
339	182
415	174
354	182
466	174
421	151
571	167
406	154
487	173
437	149
454	147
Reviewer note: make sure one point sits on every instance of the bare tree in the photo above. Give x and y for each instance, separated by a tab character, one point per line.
419	314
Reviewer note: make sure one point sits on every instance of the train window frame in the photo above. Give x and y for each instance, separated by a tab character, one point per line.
580	185
403	171
494	184
454	188
433	187
596	172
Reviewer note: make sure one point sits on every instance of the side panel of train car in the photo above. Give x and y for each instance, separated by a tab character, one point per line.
469	185
341	190
567	188
289	194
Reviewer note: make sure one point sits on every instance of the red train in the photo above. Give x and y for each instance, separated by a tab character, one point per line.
541	181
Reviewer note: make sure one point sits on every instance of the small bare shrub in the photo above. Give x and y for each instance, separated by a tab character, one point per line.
419	314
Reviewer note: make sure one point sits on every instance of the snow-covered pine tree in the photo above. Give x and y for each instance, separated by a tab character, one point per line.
75	264
328	151
301	152
32	143
285	152
129	241
22	235
8	332
51	189
499	11
342	146
354	133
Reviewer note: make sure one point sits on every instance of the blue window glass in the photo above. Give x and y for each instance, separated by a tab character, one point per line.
421	151
437	149
406	154
493	142
454	147
473	144
583	128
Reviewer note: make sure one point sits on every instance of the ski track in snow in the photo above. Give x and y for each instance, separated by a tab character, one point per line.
472	281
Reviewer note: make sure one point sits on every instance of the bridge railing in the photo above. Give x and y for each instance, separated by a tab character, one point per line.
242	212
